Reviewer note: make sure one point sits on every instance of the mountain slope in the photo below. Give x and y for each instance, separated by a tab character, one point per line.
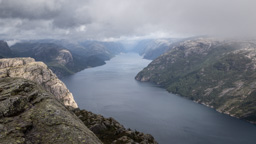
219	74
65	57
59	59
5	51
102	50
152	48
96	49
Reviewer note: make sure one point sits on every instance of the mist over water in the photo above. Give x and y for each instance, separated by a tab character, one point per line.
112	91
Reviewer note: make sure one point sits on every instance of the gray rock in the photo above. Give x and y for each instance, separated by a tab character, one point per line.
30	115
38	72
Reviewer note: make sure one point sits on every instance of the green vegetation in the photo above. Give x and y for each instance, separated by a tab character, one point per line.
219	74
59	69
65	61
109	131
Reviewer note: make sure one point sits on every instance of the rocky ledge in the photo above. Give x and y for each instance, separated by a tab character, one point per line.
30	115
38	72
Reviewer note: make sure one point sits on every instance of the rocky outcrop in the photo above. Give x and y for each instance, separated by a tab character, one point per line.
46	52
217	73
38	72
30	115
64	57
109	131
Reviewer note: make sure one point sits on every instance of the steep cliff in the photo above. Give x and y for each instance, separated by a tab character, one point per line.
217	73
59	59
30	115
97	50
5	51
38	72
64	57
36	107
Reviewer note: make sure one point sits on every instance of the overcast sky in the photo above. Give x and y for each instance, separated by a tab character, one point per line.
125	19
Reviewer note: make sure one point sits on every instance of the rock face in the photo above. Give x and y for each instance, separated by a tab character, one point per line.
216	73
109	131
45	52
5	51
98	50
65	58
58	59
30	115
38	72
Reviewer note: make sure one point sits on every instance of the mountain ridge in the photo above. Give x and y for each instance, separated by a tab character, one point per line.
66	58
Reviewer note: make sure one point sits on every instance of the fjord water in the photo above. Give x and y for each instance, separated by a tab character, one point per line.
112	91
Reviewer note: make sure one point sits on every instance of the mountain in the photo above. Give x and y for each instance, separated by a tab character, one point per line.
96	49
5	51
66	57
36	107
62	56
152	48
217	73
58	58
101	50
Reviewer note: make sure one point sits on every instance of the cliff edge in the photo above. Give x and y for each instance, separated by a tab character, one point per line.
38	72
31	115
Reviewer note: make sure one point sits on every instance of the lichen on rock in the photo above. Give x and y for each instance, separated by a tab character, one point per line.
30	115
38	72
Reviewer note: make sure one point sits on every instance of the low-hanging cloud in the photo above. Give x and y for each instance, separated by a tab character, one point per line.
113	19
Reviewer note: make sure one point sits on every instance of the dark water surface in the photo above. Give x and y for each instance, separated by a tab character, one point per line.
112	91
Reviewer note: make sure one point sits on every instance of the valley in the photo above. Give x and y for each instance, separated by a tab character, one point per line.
127	72
215	73
112	91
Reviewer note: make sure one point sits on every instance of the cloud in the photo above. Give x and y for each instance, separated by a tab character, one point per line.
119	19
29	9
